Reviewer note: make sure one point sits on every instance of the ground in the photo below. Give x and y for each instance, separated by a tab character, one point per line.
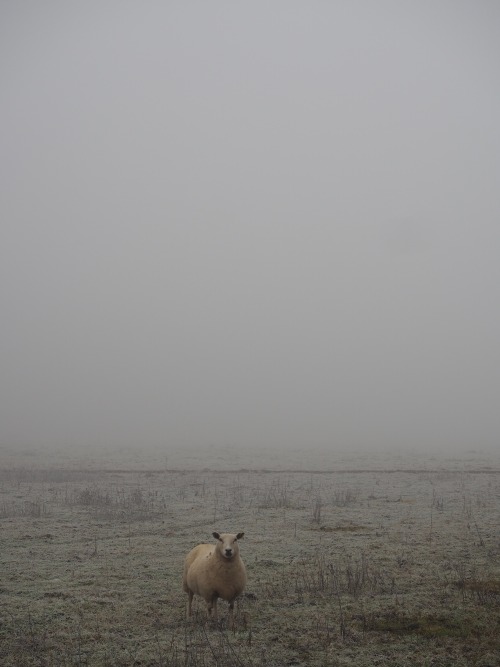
352	560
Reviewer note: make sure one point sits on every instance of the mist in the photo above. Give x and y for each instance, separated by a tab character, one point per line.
250	224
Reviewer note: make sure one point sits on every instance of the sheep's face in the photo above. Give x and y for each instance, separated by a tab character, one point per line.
227	544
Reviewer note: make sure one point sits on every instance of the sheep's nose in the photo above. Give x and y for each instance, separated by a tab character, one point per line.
229	552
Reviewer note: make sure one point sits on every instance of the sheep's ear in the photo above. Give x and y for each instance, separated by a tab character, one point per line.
216	535
239	536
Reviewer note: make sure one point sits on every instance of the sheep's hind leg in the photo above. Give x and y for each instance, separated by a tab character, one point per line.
189	610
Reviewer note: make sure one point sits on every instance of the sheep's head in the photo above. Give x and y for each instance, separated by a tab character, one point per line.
227	544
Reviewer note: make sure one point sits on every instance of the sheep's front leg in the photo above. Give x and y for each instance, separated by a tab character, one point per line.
212	608
231	615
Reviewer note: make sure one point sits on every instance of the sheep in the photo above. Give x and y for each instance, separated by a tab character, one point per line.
215	571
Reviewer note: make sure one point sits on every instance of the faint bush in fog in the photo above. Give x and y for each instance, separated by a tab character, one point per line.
316	512
93	496
276	495
344	497
115	504
29	508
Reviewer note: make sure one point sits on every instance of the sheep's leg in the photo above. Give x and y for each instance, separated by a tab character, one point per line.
189	610
231	615
213	608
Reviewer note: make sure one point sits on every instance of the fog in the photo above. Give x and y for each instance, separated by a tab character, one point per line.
256	223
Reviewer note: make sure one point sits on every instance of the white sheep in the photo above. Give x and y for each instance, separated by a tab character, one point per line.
215	571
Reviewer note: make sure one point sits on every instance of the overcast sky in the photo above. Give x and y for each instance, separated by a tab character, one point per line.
250	222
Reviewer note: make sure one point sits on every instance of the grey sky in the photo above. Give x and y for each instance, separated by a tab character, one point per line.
255	222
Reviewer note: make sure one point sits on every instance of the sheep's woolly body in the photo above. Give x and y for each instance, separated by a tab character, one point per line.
215	571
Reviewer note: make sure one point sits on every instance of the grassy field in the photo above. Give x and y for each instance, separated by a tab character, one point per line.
371	563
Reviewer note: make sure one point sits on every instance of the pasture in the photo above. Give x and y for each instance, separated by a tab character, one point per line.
350	563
